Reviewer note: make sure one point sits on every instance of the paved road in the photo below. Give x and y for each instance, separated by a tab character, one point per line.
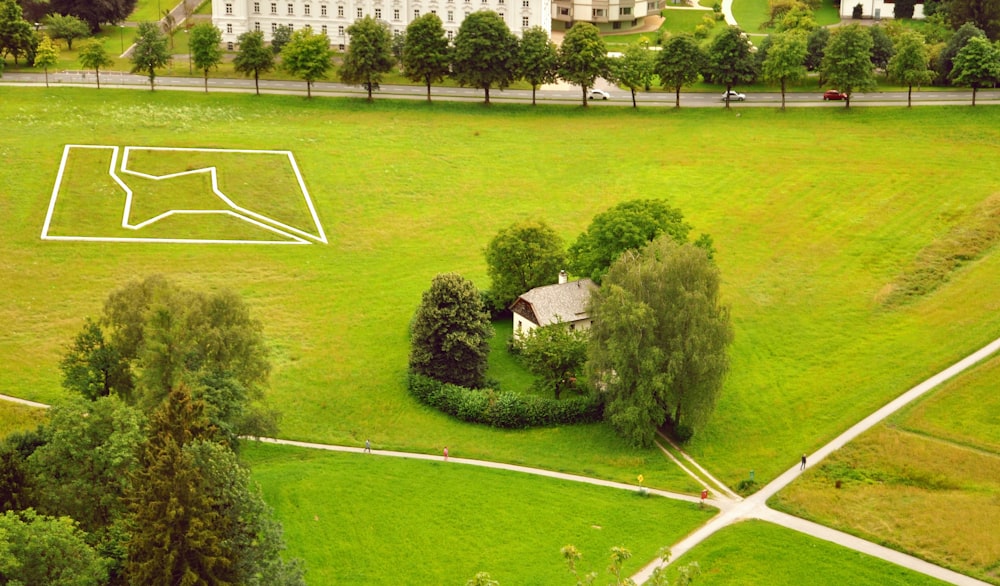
571	95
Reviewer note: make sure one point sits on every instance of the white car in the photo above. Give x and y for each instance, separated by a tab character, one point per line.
596	94
734	96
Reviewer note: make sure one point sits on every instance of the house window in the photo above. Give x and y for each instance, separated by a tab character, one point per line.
274	27
322	9
524	21
274	8
229	45
451	34
291	10
256	27
229	7
340	47
500	2
229	29
340	31
625	10
526	3
256	7
291	27
323	28
416	13
361	12
378	14
305	10
340	12
395	14
451	16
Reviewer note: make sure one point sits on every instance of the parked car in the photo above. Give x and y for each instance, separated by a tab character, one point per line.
833	95
734	96
596	94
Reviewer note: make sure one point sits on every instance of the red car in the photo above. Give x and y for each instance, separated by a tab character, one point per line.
833	95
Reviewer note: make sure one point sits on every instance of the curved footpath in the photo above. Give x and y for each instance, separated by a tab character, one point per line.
732	508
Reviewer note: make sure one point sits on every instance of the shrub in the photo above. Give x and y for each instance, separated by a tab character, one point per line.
503	409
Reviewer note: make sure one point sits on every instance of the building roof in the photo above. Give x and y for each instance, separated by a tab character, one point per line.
547	305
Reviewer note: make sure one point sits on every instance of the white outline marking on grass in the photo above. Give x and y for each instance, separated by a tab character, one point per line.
236	211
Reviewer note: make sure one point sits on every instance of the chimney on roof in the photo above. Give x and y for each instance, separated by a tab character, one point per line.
563	277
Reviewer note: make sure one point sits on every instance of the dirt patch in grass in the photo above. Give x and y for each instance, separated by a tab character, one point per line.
978	232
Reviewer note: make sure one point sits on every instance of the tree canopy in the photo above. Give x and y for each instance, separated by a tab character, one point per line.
94	56
95	12
253	57
150	51
634	69
556	355
16	36
450	333
659	340
206	47
369	54
485	53
46	55
909	65
977	65
731	59
426	56
538	63
67	27
307	55
629	225
785	60
583	57
847	63
521	257
679	64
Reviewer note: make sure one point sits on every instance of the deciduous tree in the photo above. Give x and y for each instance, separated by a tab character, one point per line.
280	37
909	65
450	333
150	51
485	53
816	48
785	60
16	36
95	12
977	65
659	340
539	59
369	54
629	225
206	48
985	14
46	56
882	47
36	549
634	69
253	57
307	55
679	64
847	62
94	56
521	257
66	27
555	354
946	58
582	57
731	59
426	55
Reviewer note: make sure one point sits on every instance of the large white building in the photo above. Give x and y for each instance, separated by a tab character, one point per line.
877	9
332	17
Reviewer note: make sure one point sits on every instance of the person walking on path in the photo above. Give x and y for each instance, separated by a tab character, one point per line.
446	453
368	446
803	466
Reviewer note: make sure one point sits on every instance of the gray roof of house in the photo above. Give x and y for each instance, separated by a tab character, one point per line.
566	301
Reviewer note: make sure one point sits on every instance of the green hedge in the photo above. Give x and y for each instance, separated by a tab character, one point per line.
503	409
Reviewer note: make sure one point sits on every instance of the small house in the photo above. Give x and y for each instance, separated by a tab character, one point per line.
566	301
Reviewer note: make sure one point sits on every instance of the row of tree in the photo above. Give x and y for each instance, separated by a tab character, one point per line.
657	350
136	478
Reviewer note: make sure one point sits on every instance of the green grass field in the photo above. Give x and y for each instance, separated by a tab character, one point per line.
927	481
755	552
360	519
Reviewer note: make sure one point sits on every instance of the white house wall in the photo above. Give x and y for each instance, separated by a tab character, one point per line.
870	7
332	17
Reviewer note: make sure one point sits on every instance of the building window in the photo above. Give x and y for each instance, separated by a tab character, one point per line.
564	12
526	3
291	26
274	8
323	29
322	9
229	45
378	14
340	31
361	13
340	47
597	12
616	25
451	34
625	10
229	8
340	12
256	7
650	5
416	13
229	29
502	16
524	21
274	27
305	10
395	14
291	10
451	16
256	27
